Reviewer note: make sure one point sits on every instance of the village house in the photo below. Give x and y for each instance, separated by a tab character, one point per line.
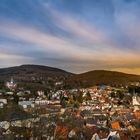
42	102
26	104
4	101
40	93
9	93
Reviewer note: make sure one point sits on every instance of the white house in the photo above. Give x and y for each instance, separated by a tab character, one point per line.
26	104
9	93
4	124
1	105
40	93
41	102
135	101
20	93
4	101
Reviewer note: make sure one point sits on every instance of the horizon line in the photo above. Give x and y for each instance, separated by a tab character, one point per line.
86	71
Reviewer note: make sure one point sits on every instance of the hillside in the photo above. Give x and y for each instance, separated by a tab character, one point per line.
105	77
32	72
44	76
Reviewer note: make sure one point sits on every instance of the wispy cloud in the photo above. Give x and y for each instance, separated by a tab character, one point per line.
74	44
7	59
66	48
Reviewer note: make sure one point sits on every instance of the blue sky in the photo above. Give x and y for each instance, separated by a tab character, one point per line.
75	35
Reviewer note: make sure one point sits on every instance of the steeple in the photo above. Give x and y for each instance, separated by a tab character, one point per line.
11	85
12	80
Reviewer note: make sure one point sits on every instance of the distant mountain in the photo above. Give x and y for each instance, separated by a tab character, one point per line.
32	72
105	77
38	73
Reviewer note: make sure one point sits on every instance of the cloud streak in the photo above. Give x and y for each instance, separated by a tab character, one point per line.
73	43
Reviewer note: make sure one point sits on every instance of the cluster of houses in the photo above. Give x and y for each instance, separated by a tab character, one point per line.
101	112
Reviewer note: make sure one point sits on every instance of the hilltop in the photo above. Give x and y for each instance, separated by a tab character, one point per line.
42	75
31	72
105	77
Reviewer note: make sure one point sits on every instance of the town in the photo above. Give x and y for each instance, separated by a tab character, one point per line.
100	112
69	69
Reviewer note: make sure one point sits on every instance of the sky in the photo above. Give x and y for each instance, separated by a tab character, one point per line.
74	35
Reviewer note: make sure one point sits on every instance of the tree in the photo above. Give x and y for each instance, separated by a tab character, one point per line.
112	94
16	98
80	97
63	102
88	96
120	95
